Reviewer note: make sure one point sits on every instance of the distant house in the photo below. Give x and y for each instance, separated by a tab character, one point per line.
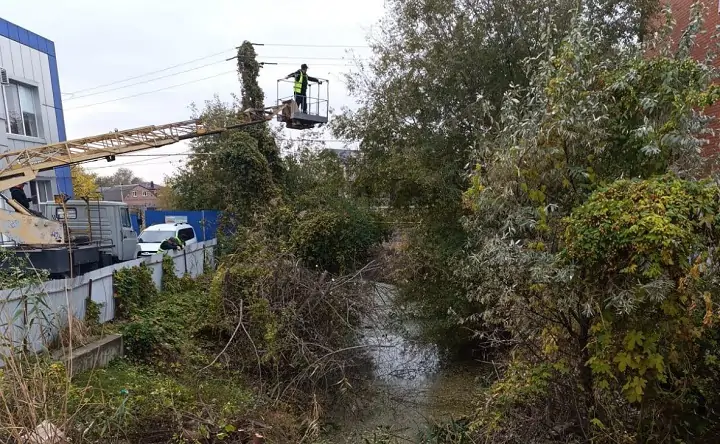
139	197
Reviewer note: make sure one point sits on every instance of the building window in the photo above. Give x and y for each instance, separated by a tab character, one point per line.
21	107
134	194
41	191
144	193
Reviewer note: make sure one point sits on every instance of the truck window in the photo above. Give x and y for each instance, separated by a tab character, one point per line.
125	218
186	234
71	213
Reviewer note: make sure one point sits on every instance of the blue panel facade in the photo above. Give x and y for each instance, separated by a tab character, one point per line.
205	222
39	43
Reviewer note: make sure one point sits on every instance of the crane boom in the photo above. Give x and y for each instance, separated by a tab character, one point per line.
23	166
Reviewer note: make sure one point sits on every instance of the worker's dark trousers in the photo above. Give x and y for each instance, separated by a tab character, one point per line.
301	101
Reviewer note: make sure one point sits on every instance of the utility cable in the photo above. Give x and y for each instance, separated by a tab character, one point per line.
147	81
293	45
305	58
151	72
153	91
300	45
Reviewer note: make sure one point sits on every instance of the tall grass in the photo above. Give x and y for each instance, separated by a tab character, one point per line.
37	401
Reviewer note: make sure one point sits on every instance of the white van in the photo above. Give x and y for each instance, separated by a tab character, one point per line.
151	237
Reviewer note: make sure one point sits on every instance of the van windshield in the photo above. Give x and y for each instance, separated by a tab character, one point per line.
155	236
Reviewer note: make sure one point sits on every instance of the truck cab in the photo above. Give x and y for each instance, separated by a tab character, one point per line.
105	223
151	237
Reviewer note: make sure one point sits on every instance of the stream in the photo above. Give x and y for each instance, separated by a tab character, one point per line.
410	387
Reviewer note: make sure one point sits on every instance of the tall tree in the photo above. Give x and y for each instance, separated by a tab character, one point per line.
253	97
241	170
123	176
432	89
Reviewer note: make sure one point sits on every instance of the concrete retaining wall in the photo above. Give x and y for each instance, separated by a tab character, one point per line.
32	317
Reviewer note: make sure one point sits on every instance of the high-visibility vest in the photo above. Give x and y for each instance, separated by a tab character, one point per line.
299	83
180	243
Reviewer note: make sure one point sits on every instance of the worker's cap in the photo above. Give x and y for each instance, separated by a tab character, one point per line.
303	66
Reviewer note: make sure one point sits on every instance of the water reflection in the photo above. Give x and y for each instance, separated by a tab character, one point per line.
410	386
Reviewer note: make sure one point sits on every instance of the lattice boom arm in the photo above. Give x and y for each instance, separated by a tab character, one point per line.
23	166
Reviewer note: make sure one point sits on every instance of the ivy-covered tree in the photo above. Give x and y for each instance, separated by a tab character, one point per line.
228	173
238	171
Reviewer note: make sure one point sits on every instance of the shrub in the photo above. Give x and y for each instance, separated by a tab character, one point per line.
648	249
133	288
336	238
142	337
289	326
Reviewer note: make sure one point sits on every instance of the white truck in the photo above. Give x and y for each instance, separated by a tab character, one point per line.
105	223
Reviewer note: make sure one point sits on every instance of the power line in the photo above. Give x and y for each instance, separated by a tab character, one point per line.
151	72
183	153
293	45
147	81
153	91
145	161
300	45
305	58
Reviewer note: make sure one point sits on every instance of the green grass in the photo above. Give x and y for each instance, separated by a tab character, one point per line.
166	388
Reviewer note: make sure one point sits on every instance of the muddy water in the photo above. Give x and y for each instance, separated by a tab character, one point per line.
410	387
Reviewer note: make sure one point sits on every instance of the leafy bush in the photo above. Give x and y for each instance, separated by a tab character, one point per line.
605	288
142	337
133	288
648	248
336	239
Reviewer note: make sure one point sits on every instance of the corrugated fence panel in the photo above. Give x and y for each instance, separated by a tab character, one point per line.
37	318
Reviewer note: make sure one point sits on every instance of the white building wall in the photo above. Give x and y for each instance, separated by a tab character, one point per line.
29	67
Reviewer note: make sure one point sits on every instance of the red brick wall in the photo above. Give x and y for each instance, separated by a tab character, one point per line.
704	43
141	202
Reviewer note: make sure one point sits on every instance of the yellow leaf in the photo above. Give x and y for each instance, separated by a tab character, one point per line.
84	185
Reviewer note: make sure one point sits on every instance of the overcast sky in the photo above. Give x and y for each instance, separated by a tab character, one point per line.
105	42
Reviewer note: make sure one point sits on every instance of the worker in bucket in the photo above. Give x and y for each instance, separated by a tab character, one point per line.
171	243
301	84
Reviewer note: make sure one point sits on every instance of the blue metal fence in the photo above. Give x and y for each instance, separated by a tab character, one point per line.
205	222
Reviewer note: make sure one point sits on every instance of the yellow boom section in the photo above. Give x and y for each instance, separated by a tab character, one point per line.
23	166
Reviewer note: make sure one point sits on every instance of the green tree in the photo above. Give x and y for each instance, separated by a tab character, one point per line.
581	270
123	176
434	86
230	173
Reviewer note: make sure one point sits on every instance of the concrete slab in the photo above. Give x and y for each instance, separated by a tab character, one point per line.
94	355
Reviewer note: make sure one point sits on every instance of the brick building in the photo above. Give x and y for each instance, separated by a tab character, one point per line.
139	197
704	43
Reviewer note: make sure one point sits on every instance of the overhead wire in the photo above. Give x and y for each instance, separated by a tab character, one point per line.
148	81
73	97
151	72
300	45
153	91
294	45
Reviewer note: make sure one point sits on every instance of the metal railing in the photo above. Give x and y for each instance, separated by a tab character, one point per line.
316	97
